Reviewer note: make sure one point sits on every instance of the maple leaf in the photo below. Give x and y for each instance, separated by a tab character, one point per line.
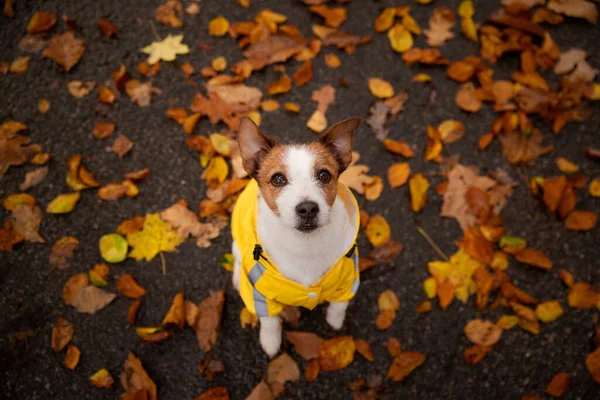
186	223
167	49
65	50
141	93
155	236
355	176
441	22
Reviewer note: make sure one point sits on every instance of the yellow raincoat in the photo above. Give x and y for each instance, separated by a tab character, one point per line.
263	288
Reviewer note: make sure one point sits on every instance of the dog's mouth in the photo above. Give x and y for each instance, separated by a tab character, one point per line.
307	226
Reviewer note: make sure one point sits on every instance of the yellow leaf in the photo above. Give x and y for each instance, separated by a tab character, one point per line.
566	166
466	9
418	192
439	270
155	236
500	261
400	38
217	171
63	203
166	50
373	190
332	61
380	88
219	64
421	78
13	200
430	287
102	379
398	174
410	24
595	187
113	248
549	311
507	322
292	107
385	20
269	105
227	261
221	144
388	301
378	231
317	121
468	28
218	26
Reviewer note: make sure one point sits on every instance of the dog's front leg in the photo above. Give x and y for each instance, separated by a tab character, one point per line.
336	313
270	335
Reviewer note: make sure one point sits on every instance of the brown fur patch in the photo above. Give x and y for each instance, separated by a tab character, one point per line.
325	160
272	163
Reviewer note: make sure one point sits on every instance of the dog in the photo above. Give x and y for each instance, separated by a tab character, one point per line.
294	228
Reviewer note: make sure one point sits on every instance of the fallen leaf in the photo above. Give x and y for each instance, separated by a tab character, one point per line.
72	357
404	364
549	311
136	381
128	287
400	38
400	148
176	314
209	367
26	220
419	185
482	332
9	236
476	353
466	98
80	89
575	8
62	332
304	74
477	246
216	393
534	257
581	220
440	24
91	299
445	294
156	236
34	177
167	49
107	28
102	379
62	252
113	248
141	93
581	295
380	88
336	353
281	370
65	49
209	320
559	385
153	334
63	203
218	26
261	392
112	191
41	21
592	363
378	231
283	85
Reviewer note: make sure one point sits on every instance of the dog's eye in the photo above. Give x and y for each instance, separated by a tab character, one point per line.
324	176
278	180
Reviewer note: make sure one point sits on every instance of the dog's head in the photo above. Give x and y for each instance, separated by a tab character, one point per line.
298	182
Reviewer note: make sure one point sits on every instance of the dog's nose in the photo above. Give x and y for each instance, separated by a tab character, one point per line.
307	209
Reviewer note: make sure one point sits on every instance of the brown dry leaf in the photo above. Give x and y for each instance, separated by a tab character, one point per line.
400	148
216	393
575	8
304	74
394	347
385	319
72	357
62	252
380	88
521	148
73	286
385	20
305	343
398	174
477	246
581	295
281	370
466	98
133	310
187	224
103	129
34	177
476	353
377	120
549	311
559	385
65	49
112	191
141	93
128	287
80	89
42	21
9	237
419	185
136	382
336	353
534	257
43	106
62	332
19	65
482	332
25	220
153	334
209	367
592	362
581	220
461	71
122	145
312	371
107	28
170	13
91	299
387	253
440	24
404	364
209	320
378	230
102	379
355	176
261	392
451	130
566	166
269	105
568	60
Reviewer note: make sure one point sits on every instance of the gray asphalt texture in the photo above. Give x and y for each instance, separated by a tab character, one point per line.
519	364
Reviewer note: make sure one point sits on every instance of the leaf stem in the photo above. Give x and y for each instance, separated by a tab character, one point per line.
156	35
432	243
164	263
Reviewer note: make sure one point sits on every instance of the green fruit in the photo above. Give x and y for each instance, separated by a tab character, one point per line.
113	248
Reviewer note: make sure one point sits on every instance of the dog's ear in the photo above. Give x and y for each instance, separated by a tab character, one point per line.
254	145
338	139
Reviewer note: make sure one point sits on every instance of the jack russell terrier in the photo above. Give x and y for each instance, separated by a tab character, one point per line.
294	228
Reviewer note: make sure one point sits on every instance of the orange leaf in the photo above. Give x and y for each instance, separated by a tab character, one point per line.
445	294
380	88
41	21
404	364
476	353
466	98
73	286
398	174
312	370
482	332
305	343
373	189
304	74
418	192
388	301
461	71
176	314
283	85
72	357
385	319
559	385
218	26
582	295
337	353
534	257
216	393
133	310
394	347
400	148
553	189
62	332
102	379
592	362
477	246
129	287
378	230
364	349
581	220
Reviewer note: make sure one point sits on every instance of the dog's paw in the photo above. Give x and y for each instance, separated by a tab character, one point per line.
335	319
270	342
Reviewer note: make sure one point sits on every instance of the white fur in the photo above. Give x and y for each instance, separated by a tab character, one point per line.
299	256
